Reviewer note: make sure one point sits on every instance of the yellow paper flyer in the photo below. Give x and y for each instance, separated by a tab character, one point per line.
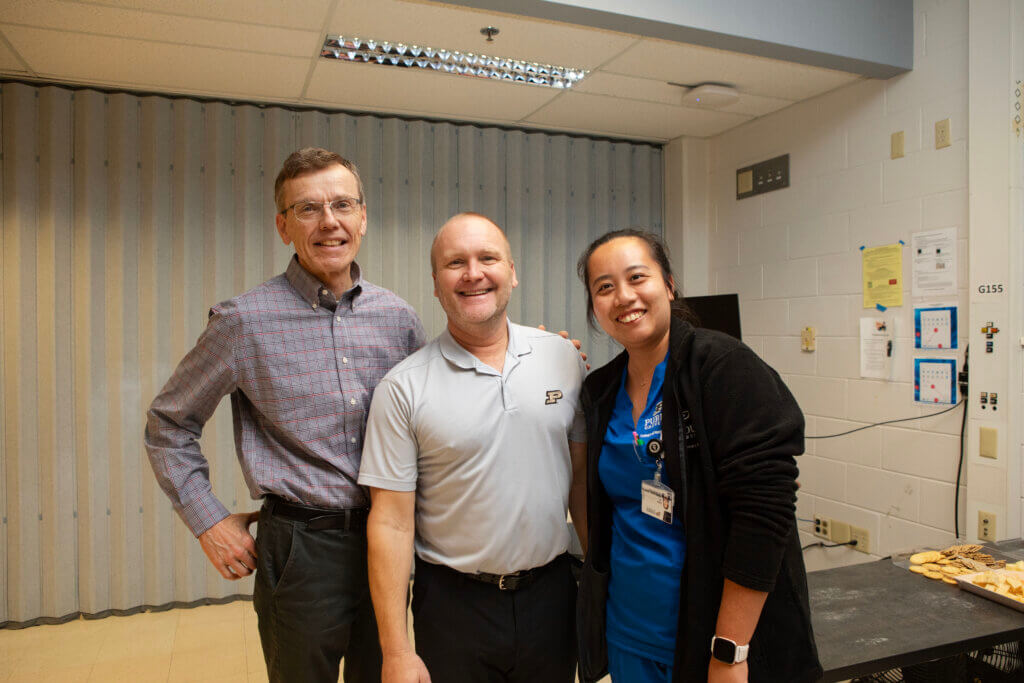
883	276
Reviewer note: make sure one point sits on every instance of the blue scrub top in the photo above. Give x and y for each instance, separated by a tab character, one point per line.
646	554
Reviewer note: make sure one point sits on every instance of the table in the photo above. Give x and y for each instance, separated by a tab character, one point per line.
877	616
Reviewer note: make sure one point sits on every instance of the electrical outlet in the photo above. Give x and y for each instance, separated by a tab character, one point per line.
896	144
986	526
823	528
808	339
862	537
943	138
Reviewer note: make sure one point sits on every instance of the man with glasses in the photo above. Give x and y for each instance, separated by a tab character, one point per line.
300	356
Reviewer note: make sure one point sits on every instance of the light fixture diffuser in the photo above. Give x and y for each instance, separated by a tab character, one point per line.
711	96
370	51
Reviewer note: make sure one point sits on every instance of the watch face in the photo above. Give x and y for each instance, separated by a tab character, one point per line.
724	650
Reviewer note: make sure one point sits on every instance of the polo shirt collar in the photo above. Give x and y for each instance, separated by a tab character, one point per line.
316	293
518	345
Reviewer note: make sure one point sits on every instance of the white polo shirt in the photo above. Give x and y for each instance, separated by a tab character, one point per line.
486	453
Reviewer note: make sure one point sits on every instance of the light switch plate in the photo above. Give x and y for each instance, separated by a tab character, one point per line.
943	136
988	443
745	182
896	144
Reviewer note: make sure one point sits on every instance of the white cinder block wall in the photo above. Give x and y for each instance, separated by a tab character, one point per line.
793	256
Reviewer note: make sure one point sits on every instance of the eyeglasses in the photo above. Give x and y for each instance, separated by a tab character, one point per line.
308	212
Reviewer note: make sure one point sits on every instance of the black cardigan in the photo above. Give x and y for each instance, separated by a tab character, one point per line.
735	492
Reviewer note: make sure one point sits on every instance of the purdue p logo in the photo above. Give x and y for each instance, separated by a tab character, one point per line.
553	397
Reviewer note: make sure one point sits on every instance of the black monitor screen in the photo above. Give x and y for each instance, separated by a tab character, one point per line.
718	312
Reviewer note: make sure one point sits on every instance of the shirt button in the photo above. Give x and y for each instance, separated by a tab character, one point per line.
344	359
353	439
352	401
338	318
314	304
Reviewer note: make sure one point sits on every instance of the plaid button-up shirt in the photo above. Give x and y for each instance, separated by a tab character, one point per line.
301	367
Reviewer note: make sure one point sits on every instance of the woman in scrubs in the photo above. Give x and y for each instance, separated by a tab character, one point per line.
694	569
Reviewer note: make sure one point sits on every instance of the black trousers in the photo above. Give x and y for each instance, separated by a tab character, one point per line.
313	603
472	632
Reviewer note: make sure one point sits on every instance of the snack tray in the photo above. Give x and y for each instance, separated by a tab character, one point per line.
966	582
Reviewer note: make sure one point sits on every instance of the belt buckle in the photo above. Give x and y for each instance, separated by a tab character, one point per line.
509	582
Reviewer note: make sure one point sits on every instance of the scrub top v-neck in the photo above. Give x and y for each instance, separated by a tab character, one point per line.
646	553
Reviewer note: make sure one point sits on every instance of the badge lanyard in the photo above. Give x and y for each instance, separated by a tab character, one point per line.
656	499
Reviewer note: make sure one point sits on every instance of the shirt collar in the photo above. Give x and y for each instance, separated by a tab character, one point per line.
518	345
316	293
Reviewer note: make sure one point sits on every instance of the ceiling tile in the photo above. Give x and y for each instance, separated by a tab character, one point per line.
755	105
303	14
443	26
165	28
691	64
9	62
136	64
616	116
632	87
196	47
428	93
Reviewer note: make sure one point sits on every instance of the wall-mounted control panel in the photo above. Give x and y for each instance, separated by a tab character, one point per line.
989	399
762	177
990	331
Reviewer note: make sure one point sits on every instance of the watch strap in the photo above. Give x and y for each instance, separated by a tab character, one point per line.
721	648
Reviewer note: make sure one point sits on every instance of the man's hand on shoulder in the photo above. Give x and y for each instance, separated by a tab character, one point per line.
230	546
575	342
404	667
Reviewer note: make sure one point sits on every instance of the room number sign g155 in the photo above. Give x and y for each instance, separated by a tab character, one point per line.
995	288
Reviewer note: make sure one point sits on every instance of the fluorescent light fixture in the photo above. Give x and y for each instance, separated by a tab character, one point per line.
370	51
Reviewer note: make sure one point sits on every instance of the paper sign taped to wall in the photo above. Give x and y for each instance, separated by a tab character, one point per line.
875	348
935	381
883	275
935	327
934	257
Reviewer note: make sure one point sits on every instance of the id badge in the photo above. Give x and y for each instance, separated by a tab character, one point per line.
657	500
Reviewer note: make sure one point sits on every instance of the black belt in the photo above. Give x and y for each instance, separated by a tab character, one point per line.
317	519
514	580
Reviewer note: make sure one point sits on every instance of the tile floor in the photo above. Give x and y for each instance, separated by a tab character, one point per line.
215	642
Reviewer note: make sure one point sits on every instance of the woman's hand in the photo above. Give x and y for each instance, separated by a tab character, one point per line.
720	672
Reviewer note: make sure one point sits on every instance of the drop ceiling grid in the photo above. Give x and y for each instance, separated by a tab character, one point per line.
10	61
300	14
178	46
451	28
617	116
691	64
78	18
412	91
122	62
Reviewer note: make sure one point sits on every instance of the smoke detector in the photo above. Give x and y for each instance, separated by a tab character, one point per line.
710	96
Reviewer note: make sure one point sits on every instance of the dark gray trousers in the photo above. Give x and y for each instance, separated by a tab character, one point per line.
313	603
472	632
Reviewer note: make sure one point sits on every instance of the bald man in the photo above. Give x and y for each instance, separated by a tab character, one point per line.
474	447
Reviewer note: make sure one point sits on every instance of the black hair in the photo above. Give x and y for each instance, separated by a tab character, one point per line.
658	251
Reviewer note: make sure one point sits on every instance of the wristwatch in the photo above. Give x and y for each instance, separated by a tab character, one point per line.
725	650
